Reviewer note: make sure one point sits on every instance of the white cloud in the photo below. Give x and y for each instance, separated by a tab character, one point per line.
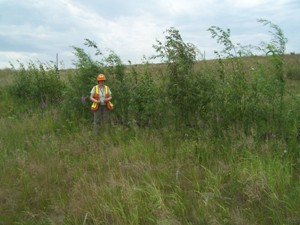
15	58
42	28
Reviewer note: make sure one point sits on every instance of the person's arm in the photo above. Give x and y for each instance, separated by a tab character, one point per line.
108	98
94	100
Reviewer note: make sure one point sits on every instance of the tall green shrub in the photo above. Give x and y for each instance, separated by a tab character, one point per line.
253	99
180	58
146	105
39	84
275	50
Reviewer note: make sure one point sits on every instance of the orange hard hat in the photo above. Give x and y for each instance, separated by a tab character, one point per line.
100	77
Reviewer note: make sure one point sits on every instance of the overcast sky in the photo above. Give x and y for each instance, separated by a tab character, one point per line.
32	30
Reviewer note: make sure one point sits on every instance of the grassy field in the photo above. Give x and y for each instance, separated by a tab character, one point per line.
58	172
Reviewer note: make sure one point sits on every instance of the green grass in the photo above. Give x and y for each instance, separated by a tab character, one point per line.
52	176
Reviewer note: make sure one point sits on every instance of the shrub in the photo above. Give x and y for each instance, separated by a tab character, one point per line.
180	58
255	101
146	100
39	84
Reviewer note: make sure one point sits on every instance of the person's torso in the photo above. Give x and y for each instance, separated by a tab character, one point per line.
102	93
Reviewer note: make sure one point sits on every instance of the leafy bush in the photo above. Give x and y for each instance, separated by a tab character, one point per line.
146	100
180	58
252	100
40	84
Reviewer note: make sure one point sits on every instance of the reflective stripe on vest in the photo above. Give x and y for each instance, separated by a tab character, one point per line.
106	91
96	96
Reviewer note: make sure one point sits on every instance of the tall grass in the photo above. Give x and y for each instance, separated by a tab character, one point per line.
51	176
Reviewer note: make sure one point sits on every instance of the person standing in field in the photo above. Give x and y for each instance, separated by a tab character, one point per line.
100	96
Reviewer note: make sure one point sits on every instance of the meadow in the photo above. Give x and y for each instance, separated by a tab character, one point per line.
190	142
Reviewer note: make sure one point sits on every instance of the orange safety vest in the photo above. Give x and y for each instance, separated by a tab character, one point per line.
95	106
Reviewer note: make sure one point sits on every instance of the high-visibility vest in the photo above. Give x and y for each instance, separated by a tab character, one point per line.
95	106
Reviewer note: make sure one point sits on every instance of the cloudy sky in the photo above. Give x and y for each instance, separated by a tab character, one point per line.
38	30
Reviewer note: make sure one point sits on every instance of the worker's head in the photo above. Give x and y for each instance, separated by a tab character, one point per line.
101	78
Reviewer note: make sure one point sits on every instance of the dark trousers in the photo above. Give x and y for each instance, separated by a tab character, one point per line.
101	117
